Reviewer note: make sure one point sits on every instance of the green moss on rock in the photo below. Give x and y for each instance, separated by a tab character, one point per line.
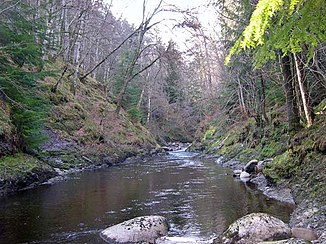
20	171
272	149
247	154
279	168
20	164
232	151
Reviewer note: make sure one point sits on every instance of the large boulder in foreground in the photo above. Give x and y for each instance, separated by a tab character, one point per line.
254	228
141	229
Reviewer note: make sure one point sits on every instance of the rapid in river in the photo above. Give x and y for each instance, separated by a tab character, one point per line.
198	197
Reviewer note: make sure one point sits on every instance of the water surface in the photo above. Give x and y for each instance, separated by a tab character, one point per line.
199	198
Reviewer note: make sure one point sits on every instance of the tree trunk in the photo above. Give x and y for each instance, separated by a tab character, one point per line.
149	105
263	97
303	91
241	98
291	104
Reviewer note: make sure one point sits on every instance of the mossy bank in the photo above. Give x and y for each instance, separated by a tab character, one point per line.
295	160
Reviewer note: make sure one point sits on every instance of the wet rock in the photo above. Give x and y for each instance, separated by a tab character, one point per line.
304	233
260	166
254	228
55	142
250	167
260	181
310	215
141	229
288	241
167	149
233	164
282	194
237	173
244	176
181	240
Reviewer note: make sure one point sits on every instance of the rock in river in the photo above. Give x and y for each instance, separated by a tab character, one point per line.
250	167
254	228
141	229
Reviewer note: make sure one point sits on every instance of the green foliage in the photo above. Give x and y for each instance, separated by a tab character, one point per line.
209	133
285	25
271	149
132	101
171	89
247	154
29	118
231	151
260	21
5	122
20	65
18	37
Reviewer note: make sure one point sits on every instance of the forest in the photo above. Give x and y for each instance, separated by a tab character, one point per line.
80	86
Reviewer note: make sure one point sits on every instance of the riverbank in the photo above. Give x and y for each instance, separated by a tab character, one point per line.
308	213
295	167
22	171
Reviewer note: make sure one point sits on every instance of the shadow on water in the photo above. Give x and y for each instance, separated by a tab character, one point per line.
199	198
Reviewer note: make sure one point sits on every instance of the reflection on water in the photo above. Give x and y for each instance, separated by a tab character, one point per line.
199	198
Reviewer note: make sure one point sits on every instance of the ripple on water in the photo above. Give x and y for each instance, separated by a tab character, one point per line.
191	164
166	192
71	236
195	196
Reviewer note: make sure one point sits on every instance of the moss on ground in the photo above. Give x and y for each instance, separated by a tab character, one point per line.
245	141
6	126
298	161
12	167
304	163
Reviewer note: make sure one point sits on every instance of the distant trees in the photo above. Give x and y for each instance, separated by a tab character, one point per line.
158	84
142	75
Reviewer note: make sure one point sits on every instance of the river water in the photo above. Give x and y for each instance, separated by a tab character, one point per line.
198	197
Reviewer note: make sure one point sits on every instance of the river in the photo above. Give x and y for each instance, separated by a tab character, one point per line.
198	197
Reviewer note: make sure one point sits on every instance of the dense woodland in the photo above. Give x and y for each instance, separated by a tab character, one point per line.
264	58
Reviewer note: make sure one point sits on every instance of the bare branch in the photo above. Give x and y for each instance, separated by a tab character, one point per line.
10	7
107	56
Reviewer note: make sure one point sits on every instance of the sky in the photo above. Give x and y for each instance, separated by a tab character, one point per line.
131	10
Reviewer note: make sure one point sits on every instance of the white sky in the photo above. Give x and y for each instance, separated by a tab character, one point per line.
131	10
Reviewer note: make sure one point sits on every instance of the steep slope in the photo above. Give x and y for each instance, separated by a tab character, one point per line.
87	124
82	130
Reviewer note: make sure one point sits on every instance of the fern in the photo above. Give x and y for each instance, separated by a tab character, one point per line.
285	25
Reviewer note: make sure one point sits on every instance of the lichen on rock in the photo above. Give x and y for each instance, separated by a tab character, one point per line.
254	228
140	229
